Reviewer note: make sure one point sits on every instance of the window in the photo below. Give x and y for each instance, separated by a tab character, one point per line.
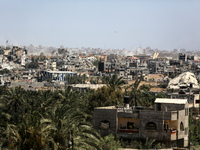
197	101
150	126
181	126
105	124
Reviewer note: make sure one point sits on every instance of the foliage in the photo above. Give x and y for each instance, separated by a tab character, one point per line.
135	92
105	79
79	79
115	83
60	63
135	144
42	57
147	144
141	96
105	96
33	64
163	85
109	143
145	87
159	146
161	95
49	120
95	62
63	119
194	129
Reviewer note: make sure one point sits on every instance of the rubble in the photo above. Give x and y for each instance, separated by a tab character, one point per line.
184	80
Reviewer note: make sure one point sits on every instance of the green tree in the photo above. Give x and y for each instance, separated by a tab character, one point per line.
115	82
110	143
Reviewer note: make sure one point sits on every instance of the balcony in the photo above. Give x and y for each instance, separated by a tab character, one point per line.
128	133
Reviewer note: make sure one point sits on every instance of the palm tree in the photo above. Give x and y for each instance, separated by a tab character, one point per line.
67	125
15	104
142	145
148	144
115	82
135	92
110	143
25	135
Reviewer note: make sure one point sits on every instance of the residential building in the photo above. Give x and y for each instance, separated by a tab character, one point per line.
167	122
57	75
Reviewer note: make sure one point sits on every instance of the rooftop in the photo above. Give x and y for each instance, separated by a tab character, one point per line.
170	101
60	72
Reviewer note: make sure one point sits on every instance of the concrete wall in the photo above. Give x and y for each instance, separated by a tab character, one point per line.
172	107
106	114
26	84
151	116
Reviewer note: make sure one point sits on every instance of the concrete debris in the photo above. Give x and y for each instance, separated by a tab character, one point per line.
184	80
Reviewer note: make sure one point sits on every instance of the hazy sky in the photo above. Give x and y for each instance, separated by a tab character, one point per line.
162	24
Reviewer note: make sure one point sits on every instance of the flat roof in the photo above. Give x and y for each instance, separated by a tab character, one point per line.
106	107
170	101
92	86
59	71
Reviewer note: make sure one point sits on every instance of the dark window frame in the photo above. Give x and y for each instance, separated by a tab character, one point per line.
150	126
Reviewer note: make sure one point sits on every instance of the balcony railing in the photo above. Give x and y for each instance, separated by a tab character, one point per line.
128	130
128	133
126	110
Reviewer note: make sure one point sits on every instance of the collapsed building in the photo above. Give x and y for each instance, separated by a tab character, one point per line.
184	87
16	56
184	81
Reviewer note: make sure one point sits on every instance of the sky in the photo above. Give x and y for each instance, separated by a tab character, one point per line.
114	24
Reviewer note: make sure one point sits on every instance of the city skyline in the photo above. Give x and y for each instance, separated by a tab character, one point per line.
165	25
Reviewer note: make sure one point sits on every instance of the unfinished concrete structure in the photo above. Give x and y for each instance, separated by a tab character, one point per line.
193	99
167	122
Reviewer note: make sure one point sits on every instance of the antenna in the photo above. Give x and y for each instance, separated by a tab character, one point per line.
6	43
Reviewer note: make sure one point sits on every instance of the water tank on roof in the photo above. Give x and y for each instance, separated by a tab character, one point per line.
127	99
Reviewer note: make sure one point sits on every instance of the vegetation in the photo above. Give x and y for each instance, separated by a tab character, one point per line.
49	120
194	129
63	119
79	79
95	62
33	64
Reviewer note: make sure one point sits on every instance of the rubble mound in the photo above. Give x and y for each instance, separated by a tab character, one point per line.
184	80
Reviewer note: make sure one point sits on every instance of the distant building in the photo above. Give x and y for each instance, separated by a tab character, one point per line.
108	66
112	57
193	99
190	57
182	56
57	75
